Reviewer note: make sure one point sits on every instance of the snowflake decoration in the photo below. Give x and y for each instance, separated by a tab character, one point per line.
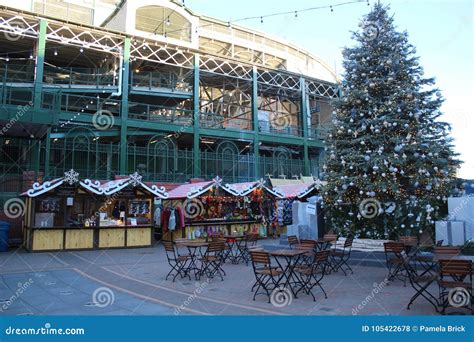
135	178
71	177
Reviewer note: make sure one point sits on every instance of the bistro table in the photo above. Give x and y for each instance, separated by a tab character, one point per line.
195	250
292	256
429	262
234	242
323	243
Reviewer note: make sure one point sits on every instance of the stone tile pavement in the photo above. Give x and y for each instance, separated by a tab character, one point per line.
132	282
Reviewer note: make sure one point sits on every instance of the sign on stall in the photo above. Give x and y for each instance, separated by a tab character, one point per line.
311	209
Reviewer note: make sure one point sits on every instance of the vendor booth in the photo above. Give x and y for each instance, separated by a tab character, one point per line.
198	210
286	196
70	214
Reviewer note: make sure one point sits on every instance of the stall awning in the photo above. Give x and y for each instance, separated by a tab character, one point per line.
240	189
297	190
101	188
114	186
190	190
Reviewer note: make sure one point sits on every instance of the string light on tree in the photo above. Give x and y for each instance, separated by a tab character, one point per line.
402	154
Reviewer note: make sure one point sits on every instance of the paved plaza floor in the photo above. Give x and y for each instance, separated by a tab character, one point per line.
132	282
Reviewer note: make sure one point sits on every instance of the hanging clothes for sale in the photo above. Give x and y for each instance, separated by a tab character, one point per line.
180	214
172	220
164	219
157	216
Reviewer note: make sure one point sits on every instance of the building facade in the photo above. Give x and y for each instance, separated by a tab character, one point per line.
110	88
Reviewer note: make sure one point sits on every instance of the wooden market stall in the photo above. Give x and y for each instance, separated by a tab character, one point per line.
213	207
70	214
286	194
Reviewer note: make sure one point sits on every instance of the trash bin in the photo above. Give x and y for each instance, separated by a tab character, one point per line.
4	230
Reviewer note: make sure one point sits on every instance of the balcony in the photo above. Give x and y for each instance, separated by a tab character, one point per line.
164	82
318	133
216	121
79	103
16	75
268	127
161	114
81	78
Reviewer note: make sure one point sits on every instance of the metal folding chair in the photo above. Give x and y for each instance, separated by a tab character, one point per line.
266	275
447	250
244	246
211	261
453	286
312	275
394	263
293	240
178	263
419	282
339	258
226	255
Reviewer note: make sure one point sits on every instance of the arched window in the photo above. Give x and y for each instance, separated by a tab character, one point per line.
163	21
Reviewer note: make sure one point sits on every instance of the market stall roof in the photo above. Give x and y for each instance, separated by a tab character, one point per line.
190	190
240	189
284	181
70	177
103	188
297	190
245	188
114	186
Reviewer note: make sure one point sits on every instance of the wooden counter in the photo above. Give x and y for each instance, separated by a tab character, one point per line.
84	238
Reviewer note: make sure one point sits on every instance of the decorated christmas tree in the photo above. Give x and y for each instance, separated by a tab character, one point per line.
389	161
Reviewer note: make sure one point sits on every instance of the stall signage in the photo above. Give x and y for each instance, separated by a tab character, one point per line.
311	209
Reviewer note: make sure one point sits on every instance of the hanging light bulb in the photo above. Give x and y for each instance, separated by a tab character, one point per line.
55	52
332	10
261	20
168	22
296	14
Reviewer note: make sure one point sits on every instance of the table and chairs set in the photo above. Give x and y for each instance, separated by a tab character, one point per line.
298	268
444	266
188	258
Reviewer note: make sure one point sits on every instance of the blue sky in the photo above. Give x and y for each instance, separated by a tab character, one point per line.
441	30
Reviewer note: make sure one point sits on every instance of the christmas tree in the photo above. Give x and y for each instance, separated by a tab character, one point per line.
389	161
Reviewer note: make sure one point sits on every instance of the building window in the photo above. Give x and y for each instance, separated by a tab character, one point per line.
64	10
163	21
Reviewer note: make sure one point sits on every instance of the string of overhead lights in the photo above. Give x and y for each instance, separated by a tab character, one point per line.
168	22
296	14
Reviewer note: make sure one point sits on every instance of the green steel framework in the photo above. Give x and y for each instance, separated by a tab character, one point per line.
192	162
